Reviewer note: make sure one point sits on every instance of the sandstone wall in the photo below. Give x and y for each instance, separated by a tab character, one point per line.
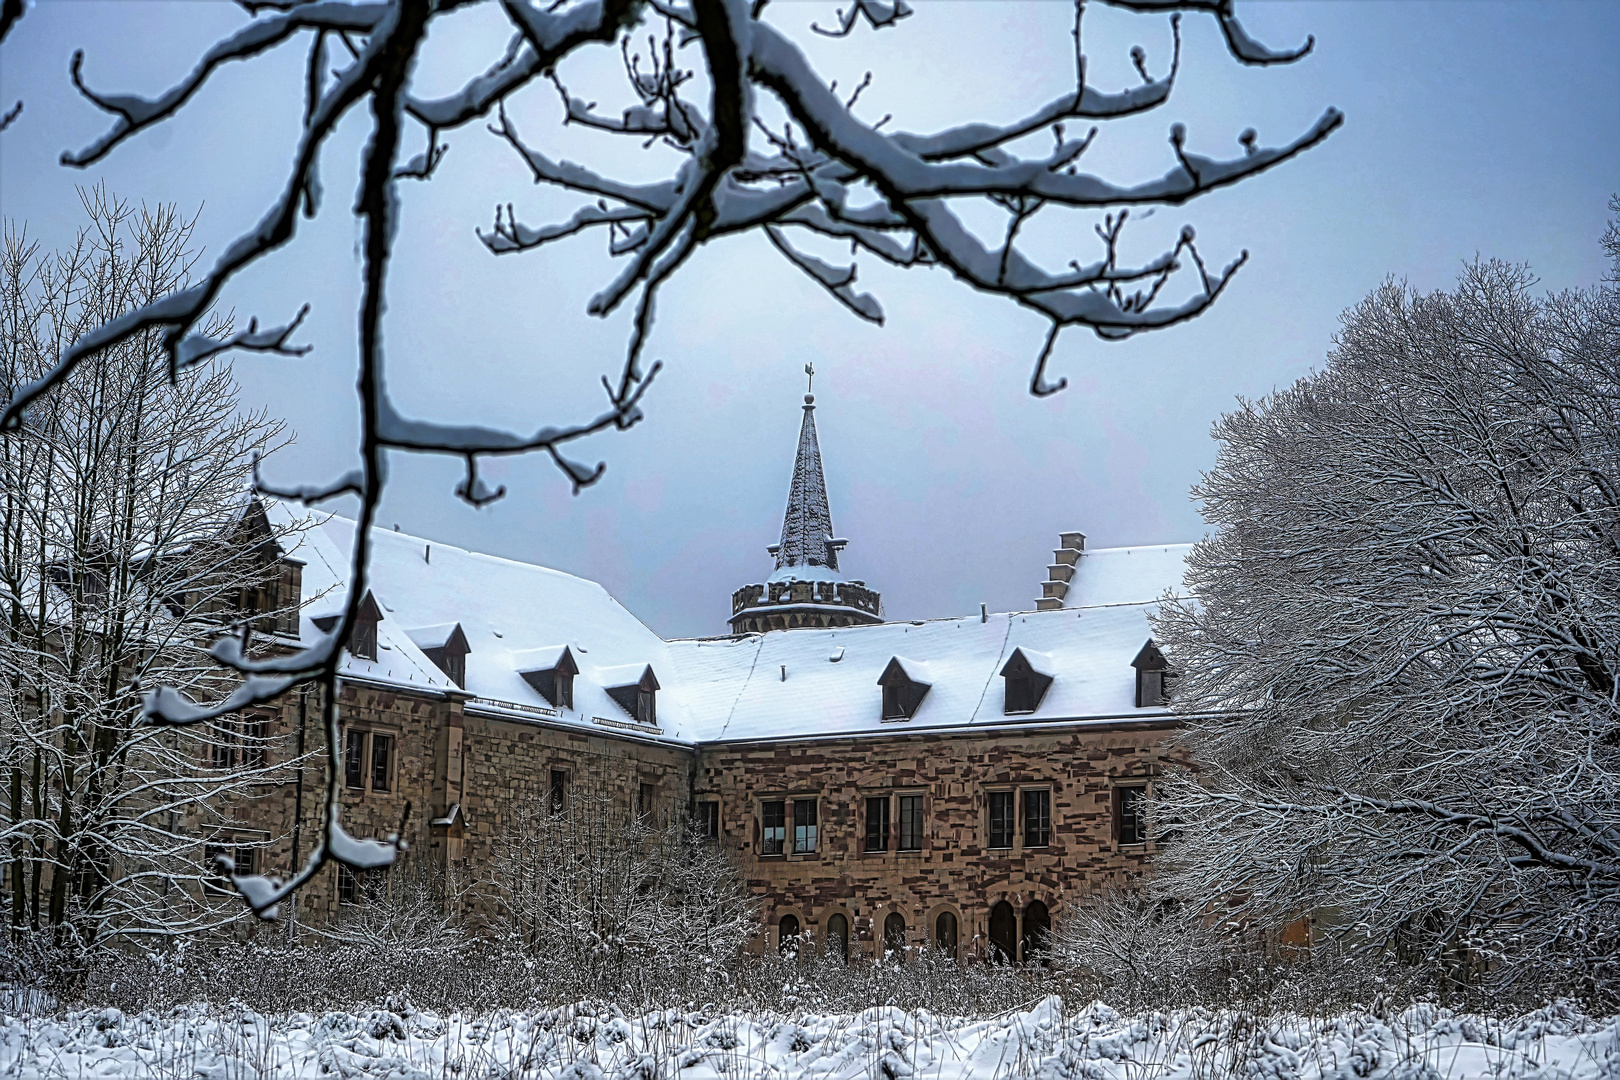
954	870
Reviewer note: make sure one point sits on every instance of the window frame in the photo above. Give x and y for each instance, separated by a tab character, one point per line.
1128	790
884	828
1025	702
765	828
918	841
236	845
806	826
557	790
1009	823
1025	796
255	741
384	741
363	639
646	796
359	751
708	819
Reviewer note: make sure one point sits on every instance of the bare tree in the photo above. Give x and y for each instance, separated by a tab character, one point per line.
1401	670
618	899
775	148
128	543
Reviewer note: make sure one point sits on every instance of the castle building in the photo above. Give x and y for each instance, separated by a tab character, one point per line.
951	782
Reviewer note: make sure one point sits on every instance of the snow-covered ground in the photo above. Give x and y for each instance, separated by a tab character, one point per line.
588	1043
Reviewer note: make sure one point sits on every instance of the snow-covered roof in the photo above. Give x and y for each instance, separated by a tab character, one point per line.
786	684
783	684
1128	575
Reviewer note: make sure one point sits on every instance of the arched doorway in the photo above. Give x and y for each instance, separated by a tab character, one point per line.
787	934
945	933
1037	931
838	935
894	935
1003	934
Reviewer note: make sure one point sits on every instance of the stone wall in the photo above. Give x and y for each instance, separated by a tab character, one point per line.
954	870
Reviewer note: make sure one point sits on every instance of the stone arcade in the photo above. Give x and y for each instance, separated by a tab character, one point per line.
952	782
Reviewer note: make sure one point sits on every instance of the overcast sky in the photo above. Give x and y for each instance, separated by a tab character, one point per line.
1483	128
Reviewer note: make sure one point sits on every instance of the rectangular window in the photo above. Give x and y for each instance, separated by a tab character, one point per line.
1001	819
804	826
565	691
255	742
363	640
222	744
1020	694
382	752
348	886
877	823
557	797
772	820
647	707
241	859
644	800
354	759
911	823
709	820
1130	814
1037	818
215	881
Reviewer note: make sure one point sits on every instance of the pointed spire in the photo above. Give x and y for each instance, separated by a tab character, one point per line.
807	533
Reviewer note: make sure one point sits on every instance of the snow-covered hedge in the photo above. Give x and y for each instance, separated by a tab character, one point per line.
594	1042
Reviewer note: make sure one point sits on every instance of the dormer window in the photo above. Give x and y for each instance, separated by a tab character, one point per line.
445	645
904	687
638	698
551	672
1028	676
363	637
1153	677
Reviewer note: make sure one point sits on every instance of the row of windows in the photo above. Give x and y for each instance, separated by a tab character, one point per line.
1014	936
791	826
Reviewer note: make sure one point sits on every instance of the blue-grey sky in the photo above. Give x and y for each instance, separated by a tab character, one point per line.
1483	128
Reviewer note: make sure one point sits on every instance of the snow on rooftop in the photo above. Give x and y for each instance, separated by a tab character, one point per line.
786	683
1128	575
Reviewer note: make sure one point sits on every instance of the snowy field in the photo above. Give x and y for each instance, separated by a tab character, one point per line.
585	1043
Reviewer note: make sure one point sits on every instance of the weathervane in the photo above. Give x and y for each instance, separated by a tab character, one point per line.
810	370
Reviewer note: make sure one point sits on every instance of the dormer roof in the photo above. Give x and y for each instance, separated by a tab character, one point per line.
447	636
1150	658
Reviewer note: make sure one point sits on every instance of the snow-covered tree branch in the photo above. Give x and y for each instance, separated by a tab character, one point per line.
128	544
758	141
1410	616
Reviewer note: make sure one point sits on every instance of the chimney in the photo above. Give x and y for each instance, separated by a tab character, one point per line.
1060	572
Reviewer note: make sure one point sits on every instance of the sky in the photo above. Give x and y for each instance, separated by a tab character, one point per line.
1479	129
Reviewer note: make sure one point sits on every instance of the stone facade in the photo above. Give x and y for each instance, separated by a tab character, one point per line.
953	869
467	772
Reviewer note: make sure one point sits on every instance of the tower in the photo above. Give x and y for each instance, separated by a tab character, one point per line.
806	588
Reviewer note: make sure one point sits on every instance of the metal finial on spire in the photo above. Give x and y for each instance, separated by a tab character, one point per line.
809	387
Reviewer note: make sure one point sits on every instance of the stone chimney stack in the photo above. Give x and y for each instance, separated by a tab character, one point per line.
1065	557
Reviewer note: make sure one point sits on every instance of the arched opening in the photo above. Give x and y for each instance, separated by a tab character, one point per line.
1003	934
787	934
838	935
894	935
1037	931
945	932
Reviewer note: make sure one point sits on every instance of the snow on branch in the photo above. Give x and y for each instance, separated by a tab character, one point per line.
824	172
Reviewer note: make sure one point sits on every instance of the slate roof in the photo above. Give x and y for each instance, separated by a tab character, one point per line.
807	523
780	684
